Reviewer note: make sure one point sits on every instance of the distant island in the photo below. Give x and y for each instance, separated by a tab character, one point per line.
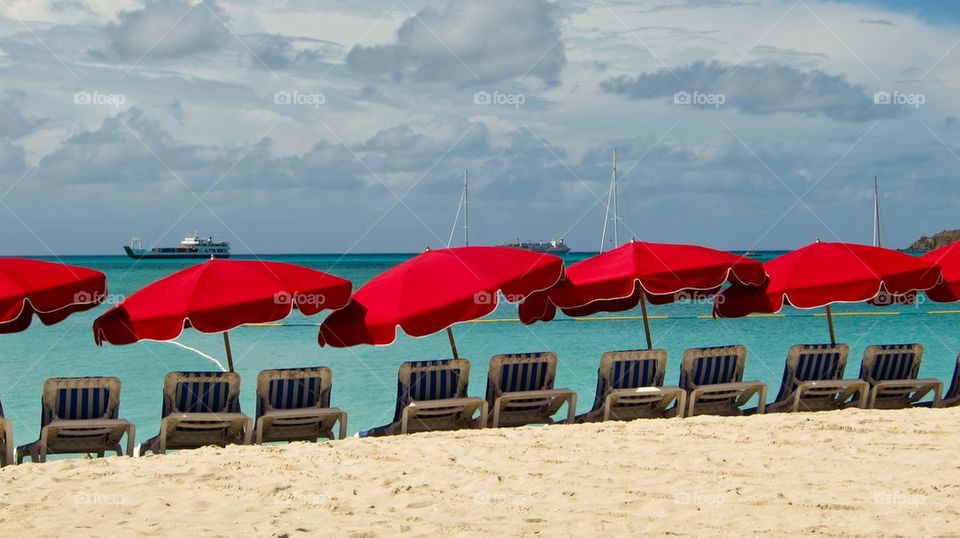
938	240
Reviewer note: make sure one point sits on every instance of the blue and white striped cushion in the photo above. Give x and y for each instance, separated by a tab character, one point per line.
202	397
627	374
82	403
520	377
815	363
712	370
301	393
895	362
439	381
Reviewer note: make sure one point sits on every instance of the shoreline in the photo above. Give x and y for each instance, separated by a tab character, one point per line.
849	472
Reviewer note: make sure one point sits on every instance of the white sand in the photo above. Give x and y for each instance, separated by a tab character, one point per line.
848	472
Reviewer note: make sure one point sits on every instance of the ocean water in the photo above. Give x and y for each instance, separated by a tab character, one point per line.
365	376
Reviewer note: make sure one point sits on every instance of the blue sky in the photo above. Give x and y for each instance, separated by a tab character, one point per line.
330	126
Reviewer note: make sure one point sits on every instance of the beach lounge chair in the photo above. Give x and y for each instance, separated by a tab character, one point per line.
520	390
891	370
6	440
79	416
713	379
952	397
813	380
431	396
630	386
200	409
293	404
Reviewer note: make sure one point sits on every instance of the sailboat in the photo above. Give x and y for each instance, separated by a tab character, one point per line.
876	213
613	201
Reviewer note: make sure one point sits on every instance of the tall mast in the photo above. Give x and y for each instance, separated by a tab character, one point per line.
466	211
616	203
876	212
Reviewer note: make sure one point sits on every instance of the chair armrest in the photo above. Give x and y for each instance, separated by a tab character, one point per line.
562	394
207	417
318	412
468	405
839	386
88	424
745	390
664	395
920	387
8	454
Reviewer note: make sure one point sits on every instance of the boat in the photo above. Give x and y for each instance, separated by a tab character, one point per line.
551	247
192	247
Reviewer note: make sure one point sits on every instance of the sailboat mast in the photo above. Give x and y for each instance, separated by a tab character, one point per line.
466	211
616	203
876	212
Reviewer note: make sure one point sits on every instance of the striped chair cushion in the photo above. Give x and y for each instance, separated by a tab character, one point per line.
952	392
814	364
627	374
896	362
202	397
524	376
300	393
711	370
439	382
82	403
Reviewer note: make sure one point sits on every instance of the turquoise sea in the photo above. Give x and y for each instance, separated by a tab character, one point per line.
365	376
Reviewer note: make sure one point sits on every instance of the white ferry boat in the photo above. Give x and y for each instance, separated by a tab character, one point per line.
192	246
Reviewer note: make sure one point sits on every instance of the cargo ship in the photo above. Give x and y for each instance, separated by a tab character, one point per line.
192	247
552	247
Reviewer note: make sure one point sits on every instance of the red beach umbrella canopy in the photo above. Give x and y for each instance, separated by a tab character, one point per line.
436	289
823	273
948	260
218	295
51	291
613	281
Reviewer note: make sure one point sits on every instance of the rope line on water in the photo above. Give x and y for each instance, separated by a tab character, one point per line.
662	317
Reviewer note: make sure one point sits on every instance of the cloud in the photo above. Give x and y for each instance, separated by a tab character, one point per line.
758	89
167	29
951	121
13	124
469	42
881	22
282	52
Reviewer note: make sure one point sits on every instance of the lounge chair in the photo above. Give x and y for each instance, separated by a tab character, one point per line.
520	390
200	409
952	397
293	404
891	370
713	379
79	416
431	396
6	440
630	386
813	380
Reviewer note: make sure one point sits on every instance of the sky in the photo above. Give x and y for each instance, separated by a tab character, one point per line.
296	126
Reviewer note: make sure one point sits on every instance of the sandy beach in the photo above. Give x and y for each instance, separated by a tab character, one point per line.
840	473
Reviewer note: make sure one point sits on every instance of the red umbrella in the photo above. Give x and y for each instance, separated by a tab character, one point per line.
50	290
638	272
218	295
948	260
821	274
434	290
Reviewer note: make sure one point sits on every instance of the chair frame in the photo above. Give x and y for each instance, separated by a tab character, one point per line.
820	395
902	393
302	424
535	406
718	395
651	401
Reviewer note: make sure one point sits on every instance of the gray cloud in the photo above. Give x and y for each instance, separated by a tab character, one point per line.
283	52
471	41
758	89
13	124
881	22
167	29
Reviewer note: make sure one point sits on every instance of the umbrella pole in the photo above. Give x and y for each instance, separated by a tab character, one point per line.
226	345
833	336
646	321
453	344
